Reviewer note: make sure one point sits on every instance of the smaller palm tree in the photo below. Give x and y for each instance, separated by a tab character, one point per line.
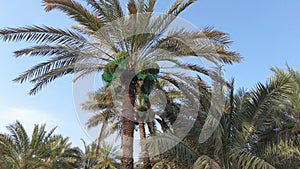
62	154
103	157
105	113
43	150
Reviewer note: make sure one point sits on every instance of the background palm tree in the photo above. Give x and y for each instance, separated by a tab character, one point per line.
105	114
261	121
67	49
63	155
104	157
42	150
257	130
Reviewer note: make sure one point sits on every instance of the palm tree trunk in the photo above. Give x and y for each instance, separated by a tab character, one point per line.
163	124
151	127
151	124
128	127
144	152
100	138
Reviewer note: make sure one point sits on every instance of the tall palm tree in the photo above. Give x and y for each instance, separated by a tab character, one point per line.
68	51
43	150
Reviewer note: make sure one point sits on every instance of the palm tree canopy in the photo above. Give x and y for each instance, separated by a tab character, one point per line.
18	150
65	49
105	157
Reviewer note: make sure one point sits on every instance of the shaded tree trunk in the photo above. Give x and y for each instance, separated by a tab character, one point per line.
144	152
163	124
150	123
151	127
128	126
103	127
147	115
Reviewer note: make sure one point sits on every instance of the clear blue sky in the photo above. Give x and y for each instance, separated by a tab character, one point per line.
265	33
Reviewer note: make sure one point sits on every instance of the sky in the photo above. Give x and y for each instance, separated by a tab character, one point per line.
265	33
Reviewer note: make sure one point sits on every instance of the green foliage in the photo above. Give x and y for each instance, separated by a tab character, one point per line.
259	129
100	157
110	72
43	150
204	162
146	72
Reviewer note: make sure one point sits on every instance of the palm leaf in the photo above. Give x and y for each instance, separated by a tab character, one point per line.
204	162
42	34
45	50
246	159
170	144
75	11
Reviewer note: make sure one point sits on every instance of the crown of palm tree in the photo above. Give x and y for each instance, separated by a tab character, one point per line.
67	48
18	150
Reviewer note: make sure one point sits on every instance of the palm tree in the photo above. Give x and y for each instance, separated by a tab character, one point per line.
260	123
283	145
104	157
255	125
174	151
62	155
258	129
148	43
292	104
43	150
105	113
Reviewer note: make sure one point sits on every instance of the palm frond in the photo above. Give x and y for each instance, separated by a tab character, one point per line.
207	43
45	50
19	135
262	97
189	67
42	34
41	73
99	118
107	11
170	144
205	162
45	79
162	22
100	100
76	11
115	8
282	152
245	159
